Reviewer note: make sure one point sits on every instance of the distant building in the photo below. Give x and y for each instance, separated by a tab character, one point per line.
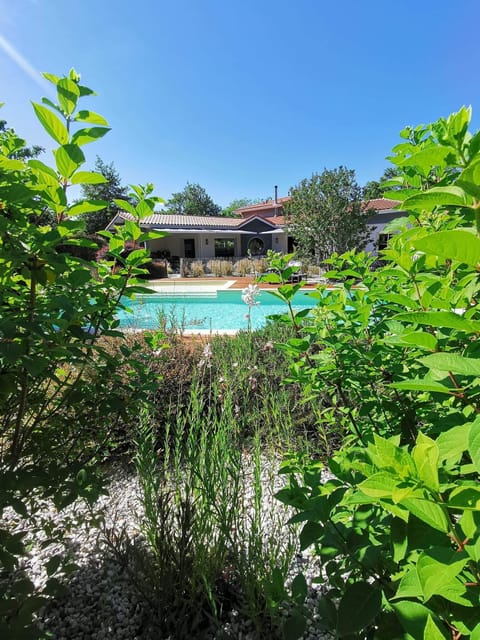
261	227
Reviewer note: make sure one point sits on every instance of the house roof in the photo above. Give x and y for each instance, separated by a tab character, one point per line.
262	206
185	222
278	220
381	204
271	221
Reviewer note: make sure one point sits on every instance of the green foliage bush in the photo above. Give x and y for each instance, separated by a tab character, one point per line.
60	392
392	358
244	368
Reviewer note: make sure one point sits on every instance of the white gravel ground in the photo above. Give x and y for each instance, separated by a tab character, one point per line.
99	603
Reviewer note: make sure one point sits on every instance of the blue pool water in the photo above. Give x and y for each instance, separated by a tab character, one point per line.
223	310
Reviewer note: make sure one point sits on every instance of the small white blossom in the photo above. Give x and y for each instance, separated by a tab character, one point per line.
207	350
206	356
249	294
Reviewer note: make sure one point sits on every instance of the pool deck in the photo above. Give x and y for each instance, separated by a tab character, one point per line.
206	285
182	285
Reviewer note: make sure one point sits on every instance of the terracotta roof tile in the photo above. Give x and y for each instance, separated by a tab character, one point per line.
278	220
262	206
172	220
381	204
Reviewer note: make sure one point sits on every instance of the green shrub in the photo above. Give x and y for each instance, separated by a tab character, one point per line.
60	394
394	363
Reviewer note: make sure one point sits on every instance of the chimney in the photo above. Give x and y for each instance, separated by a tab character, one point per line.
276	194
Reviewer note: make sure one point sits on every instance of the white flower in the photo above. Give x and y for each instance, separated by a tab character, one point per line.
207	350
249	294
206	356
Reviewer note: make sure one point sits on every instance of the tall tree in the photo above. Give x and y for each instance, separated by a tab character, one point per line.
325	214
377	188
236	204
19	150
108	190
193	201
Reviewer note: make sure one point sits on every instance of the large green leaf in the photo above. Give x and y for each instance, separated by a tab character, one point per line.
144	208
399	539
44	172
476	633
10	164
429	157
124	205
442	319
87	206
91	117
358	608
474	444
409	586
68	158
51	77
68	94
452	443
418	384
84	136
399	298
437	197
88	177
465	497
437	570
426	456
51	123
432	632
428	511
380	485
457	123
456	244
413	617
421	339
311	533
469	179
453	363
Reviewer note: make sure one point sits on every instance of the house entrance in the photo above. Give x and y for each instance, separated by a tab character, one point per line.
189	248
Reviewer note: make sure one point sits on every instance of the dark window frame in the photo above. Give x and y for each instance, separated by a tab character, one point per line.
224	247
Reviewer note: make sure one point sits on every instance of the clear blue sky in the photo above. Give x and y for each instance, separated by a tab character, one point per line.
240	95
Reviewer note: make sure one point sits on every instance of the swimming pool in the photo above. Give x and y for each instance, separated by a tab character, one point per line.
204	312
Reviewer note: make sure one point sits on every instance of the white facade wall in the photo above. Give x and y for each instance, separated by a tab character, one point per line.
377	223
204	244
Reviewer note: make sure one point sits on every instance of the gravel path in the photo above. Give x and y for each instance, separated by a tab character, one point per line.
99	602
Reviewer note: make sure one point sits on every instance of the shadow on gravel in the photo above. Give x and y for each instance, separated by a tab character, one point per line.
104	601
99	604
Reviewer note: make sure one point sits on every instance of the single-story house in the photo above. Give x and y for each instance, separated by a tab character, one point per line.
258	228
